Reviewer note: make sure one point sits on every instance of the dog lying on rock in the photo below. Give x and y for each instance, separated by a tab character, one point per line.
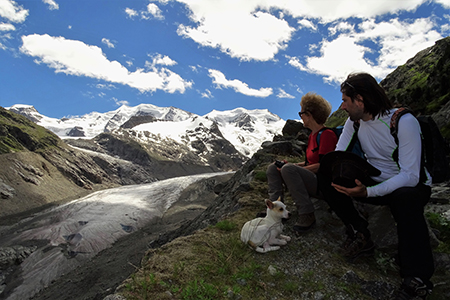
264	234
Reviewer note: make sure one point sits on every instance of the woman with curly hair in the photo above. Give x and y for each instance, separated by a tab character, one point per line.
300	179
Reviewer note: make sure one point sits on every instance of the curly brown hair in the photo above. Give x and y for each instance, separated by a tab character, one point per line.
317	106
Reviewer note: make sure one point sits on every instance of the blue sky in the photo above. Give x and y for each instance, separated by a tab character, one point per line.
73	57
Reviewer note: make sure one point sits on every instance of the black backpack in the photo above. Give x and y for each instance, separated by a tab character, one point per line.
434	156
354	145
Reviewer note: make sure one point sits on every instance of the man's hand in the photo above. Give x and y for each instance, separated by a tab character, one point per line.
359	190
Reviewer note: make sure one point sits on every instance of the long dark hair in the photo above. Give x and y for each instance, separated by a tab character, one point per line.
374	97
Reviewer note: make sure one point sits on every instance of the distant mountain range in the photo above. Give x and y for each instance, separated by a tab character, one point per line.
245	129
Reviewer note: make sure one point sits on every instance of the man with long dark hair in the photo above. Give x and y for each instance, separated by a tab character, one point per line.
400	185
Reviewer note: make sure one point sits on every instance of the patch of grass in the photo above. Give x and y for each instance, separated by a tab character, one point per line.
261	176
436	104
385	262
247	272
199	290
18	133
143	287
226	225
440	223
213	264
352	290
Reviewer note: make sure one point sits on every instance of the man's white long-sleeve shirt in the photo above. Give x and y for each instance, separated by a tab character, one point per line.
378	145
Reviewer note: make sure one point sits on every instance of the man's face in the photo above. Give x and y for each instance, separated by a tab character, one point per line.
355	109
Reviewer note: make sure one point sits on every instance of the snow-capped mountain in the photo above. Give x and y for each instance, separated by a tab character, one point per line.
245	129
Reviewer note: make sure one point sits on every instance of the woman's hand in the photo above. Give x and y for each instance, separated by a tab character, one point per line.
359	190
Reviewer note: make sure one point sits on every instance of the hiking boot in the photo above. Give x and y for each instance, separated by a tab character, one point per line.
305	222
361	246
413	288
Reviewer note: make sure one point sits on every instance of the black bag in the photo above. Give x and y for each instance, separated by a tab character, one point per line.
434	154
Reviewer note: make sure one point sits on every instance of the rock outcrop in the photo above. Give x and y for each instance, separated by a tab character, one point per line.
423	84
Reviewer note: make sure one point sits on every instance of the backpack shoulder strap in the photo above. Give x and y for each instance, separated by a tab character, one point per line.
318	138
354	139
394	132
394	121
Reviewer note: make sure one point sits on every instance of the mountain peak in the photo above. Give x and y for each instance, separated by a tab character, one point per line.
245	129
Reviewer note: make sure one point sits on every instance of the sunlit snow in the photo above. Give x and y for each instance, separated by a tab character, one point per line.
245	129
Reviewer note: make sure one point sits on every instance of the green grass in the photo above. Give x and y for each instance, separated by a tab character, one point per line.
226	225
17	133
440	223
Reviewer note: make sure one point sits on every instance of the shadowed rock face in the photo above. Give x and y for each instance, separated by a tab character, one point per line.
76	132
138	120
423	83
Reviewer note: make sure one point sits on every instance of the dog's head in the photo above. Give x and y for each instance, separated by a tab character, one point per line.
277	209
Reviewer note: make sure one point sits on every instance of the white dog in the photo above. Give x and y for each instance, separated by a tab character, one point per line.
261	233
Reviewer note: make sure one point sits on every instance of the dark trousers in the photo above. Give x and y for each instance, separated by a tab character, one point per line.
407	208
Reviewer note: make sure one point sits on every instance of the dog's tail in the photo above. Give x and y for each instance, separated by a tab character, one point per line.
267	249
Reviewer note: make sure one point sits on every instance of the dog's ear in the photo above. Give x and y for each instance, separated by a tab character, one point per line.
279	199
269	204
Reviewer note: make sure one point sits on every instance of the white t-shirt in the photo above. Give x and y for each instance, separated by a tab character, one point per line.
378	145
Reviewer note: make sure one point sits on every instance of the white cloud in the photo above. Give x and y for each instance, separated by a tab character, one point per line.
397	42
282	94
161	1
444	3
341	27
105	86
52	4
240	87
108	43
338	58
13	12
237	29
328	11
159	59
151	11
194	69
247	30
445	28
131	12
7	27
307	23
295	62
120	102
154	10
76	58
207	94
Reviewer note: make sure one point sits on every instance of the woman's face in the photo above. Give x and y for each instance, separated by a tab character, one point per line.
306	118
